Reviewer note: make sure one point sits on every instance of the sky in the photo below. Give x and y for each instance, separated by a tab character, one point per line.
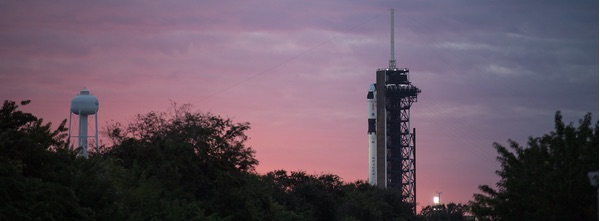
299	72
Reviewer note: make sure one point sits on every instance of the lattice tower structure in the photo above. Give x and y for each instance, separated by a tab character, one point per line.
395	97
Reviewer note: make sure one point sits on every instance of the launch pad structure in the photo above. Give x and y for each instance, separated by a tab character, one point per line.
392	143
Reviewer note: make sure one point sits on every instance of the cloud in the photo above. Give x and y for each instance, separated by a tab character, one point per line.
505	71
464	46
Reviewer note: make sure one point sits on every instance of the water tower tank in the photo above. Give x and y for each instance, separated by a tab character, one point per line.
84	103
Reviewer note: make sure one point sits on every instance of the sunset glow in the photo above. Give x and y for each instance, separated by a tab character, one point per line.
299	73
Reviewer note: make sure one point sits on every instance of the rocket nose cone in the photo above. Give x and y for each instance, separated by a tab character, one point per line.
372	87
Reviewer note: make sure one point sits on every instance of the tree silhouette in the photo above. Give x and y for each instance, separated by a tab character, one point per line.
443	212
174	165
547	180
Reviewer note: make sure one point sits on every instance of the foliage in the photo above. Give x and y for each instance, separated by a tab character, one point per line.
175	165
547	180
443	212
326	197
209	139
191	156
36	183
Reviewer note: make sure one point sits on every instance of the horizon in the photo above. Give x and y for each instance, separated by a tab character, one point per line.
299	73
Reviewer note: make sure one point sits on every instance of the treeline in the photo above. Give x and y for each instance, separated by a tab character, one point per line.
181	165
174	165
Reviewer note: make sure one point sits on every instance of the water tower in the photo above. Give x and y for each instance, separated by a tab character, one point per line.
84	105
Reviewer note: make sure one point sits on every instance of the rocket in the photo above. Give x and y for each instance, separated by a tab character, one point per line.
372	133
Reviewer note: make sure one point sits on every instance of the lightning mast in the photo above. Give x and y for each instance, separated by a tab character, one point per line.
392	59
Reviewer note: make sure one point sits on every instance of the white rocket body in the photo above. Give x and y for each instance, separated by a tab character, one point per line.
372	133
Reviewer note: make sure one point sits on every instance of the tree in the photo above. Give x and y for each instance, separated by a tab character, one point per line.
547	180
364	201
313	196
326	197
211	139
443	212
42	179
192	156
34	169
174	165
25	137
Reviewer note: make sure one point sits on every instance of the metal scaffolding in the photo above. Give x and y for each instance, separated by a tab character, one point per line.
399	139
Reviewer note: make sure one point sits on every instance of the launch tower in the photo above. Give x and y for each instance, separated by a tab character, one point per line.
392	152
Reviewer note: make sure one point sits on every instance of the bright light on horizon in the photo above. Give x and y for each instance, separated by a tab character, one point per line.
436	200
